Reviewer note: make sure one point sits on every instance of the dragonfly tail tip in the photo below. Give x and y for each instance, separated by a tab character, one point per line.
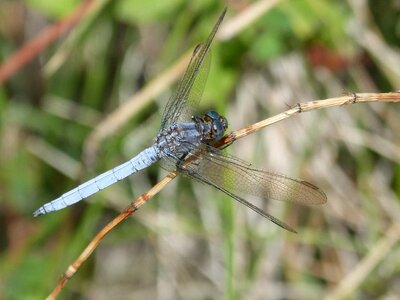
38	212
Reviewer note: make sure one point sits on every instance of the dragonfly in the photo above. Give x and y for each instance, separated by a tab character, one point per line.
186	143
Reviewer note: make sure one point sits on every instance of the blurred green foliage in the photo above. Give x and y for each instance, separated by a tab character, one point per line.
222	250
53	9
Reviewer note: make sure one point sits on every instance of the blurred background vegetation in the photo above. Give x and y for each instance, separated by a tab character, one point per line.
190	241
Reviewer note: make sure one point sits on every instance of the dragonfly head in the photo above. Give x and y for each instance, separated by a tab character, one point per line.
218	124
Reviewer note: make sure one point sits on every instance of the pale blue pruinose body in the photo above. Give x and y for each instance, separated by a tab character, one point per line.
184	137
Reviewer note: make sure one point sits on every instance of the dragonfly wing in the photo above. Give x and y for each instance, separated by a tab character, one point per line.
239	179
184	102
204	179
242	178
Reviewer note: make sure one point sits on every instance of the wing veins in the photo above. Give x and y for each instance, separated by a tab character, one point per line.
239	199
269	185
177	102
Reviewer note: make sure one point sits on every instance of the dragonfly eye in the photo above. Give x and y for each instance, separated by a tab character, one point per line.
224	122
212	115
217	130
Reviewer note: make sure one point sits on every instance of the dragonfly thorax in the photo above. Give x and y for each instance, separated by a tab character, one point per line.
181	138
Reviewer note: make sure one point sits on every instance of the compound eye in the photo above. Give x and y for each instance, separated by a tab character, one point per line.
217	130
212	115
224	122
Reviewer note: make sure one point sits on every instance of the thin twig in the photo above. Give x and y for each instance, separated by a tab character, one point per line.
134	206
35	46
314	105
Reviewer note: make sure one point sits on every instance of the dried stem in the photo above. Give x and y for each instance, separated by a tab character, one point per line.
134	206
49	35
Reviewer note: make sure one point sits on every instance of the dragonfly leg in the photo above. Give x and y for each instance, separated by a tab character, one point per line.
180	161
230	138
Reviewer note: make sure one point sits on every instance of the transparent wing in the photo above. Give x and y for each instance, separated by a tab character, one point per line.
184	102
241	178
237	179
